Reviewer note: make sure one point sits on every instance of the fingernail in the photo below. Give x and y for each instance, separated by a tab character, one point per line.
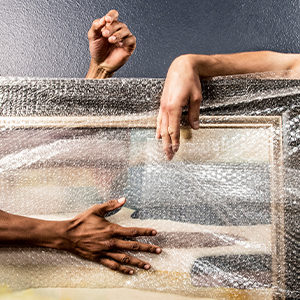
108	19
130	272
106	32
121	200
121	44
154	232
158	250
169	156
196	125
112	38
147	267
98	23
175	148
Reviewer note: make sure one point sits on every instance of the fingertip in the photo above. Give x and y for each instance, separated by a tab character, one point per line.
122	200
108	19
112	39
102	21
158	250
169	155
131	272
147	267
105	32
195	124
175	148
153	232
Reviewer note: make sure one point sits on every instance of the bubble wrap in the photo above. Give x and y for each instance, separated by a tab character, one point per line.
226	207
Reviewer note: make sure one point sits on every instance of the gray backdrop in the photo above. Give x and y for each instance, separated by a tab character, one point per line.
47	38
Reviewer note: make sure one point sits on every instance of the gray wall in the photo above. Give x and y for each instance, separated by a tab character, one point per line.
48	38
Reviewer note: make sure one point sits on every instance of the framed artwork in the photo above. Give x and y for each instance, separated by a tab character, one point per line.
218	205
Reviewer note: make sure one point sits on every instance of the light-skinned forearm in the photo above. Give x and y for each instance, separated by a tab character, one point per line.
22	231
242	63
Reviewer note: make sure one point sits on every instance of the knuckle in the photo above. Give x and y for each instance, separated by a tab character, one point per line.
124	270
124	26
114	11
111	228
135	246
163	105
134	232
196	99
117	35
95	22
114	266
107	27
111	203
173	133
96	208
164	133
151	249
125	259
171	106
111	244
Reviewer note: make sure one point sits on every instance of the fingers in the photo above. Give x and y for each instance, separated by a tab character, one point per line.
166	139
194	106
98	24
118	32
102	209
133	246
128	260
111	16
174	126
158	124
194	110
112	28
116	266
129	43
133	231
95	30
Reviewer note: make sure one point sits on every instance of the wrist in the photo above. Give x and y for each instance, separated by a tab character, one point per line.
97	71
23	231
50	234
187	62
202	65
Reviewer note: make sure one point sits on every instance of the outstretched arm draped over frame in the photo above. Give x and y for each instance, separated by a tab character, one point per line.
182	86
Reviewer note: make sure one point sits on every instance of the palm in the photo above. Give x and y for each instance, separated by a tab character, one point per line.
111	56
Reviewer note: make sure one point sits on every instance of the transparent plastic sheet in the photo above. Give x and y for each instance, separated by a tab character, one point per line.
226	207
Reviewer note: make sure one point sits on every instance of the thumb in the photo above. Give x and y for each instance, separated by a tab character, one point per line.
108	206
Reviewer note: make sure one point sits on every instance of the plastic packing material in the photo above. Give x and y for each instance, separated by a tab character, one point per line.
226	207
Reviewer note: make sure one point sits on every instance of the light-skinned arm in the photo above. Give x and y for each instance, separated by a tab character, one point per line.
182	86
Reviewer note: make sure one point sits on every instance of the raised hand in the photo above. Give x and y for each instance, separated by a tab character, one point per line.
111	44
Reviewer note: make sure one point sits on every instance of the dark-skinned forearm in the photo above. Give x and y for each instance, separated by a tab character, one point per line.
97	72
23	231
